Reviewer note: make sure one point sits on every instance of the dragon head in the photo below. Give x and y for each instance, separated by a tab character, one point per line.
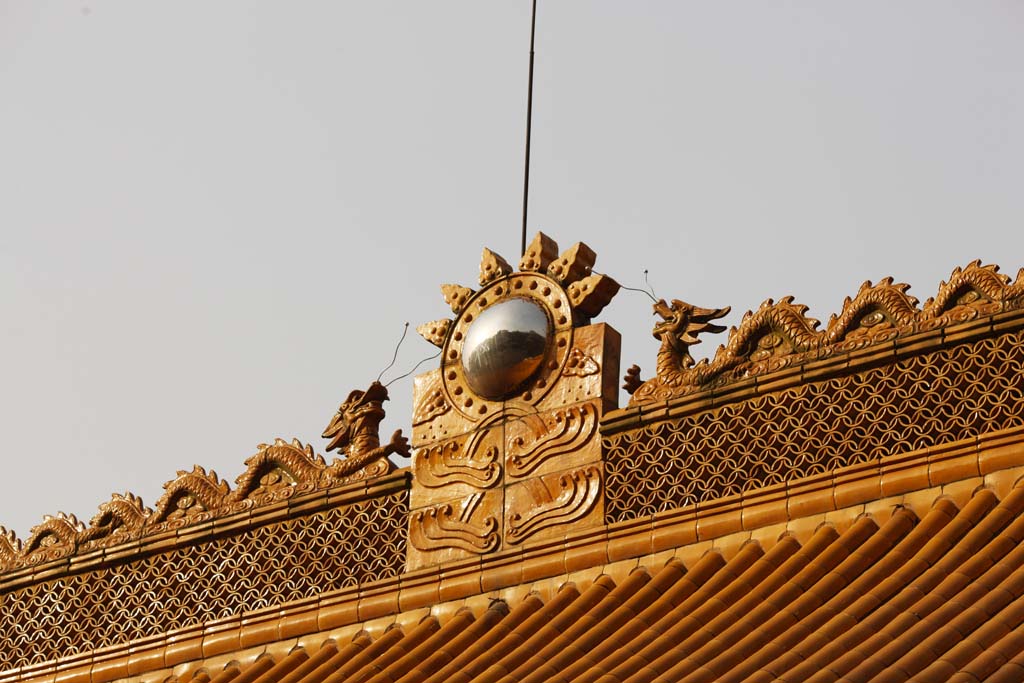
359	414
682	322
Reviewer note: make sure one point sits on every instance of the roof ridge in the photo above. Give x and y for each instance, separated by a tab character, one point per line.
780	334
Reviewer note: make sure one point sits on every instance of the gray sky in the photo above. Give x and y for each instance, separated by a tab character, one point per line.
216	216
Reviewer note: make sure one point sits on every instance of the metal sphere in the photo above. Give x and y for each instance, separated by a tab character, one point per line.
504	347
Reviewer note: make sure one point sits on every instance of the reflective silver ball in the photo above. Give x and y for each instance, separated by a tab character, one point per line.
504	347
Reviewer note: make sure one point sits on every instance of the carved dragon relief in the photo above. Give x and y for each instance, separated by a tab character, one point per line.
276	471
972	286
118	519
678	330
875	308
574	495
280	470
53	538
190	496
781	334
549	437
354	431
440	527
10	549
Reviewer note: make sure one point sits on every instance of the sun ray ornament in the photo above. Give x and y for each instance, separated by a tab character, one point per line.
512	337
524	377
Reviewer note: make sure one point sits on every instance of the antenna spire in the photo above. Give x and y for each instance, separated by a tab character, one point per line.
529	121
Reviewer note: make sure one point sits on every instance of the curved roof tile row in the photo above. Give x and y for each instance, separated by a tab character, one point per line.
937	598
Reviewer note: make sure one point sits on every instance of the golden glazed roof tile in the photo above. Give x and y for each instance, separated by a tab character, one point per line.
779	338
895	599
790	487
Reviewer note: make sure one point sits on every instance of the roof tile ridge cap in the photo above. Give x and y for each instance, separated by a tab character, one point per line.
546	661
230	671
1011	504
965	535
726	613
717	581
261	664
813	608
398	649
823	537
649	604
798	657
661	582
390	637
682	664
908	548
784	560
424	629
489	644
623	636
561	620
676	624
436	634
975	644
863	527
200	675
324	654
352	649
980	564
688	588
752	585
1008	672
565	594
726	572
1008	647
954	619
463	641
883	626
889	535
1005	575
767	574
1003	540
637	579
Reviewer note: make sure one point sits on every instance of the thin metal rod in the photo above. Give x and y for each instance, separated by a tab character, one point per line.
529	125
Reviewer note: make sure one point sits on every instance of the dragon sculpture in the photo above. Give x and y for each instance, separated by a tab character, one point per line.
780	333
678	330
354	431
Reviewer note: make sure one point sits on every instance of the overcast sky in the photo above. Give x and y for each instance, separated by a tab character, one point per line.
215	217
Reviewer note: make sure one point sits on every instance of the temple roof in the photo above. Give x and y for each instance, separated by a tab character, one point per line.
807	505
934	596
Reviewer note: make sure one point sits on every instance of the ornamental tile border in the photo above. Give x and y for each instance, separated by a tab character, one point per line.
585	549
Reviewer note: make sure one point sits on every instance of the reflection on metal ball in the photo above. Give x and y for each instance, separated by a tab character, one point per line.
504	347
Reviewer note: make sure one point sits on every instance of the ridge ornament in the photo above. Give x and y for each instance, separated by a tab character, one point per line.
355	429
508	421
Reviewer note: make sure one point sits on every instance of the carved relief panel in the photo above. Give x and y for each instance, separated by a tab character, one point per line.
505	430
